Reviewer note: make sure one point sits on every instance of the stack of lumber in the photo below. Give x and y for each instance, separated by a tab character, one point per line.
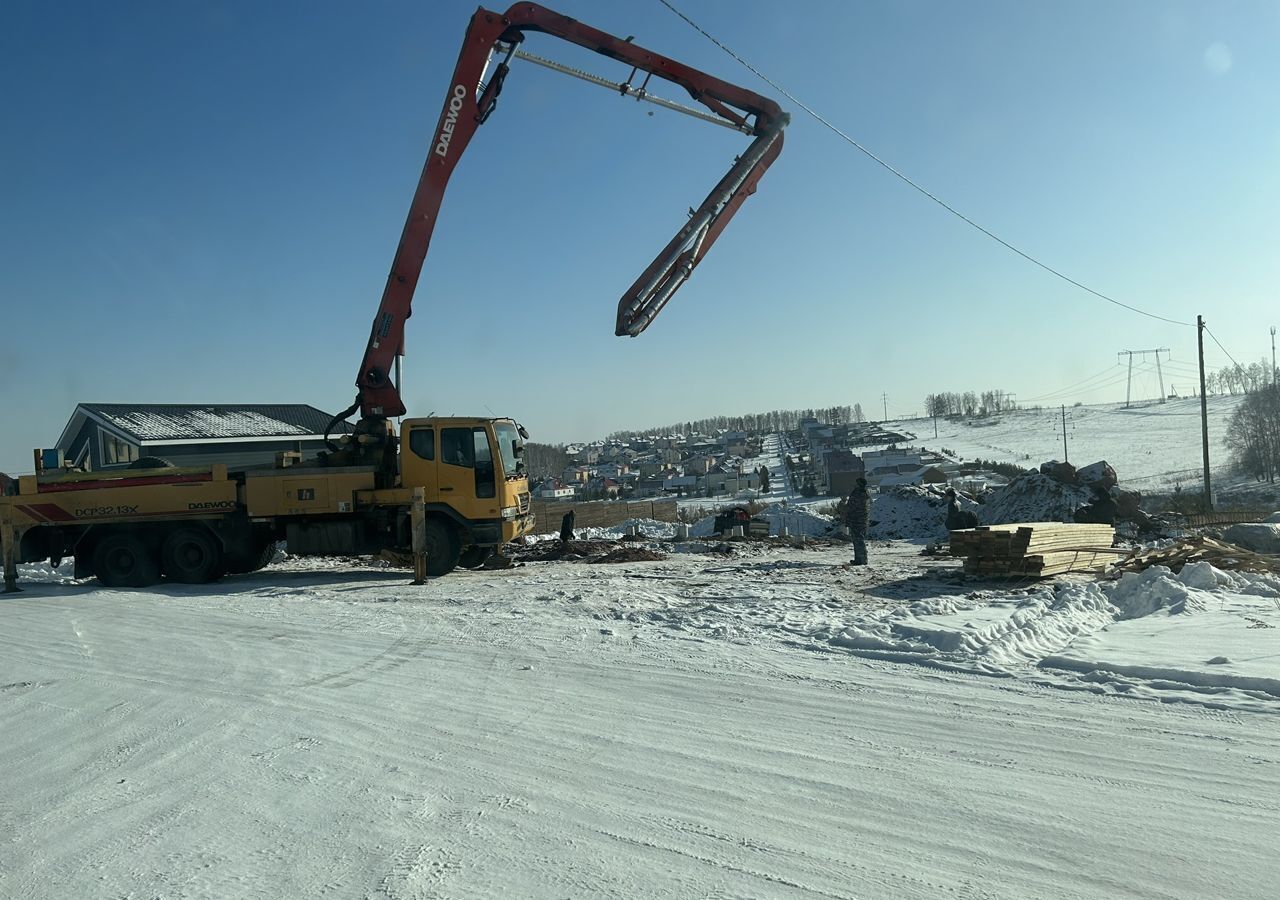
1034	549
1219	554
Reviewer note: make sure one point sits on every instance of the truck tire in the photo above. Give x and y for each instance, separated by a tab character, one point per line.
191	555
125	560
473	557
249	558
442	547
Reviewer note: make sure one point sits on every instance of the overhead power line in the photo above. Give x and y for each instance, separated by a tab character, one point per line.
1109	370
938	200
1102	379
1220	347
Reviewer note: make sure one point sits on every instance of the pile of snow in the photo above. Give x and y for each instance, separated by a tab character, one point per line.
1201	635
1204	634
912	512
993	635
1034	497
798	520
648	528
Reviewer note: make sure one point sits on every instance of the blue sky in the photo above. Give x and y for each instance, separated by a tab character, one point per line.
201	202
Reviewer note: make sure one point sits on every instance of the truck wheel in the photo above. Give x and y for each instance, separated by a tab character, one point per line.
124	560
473	557
249	557
442	547
190	556
265	557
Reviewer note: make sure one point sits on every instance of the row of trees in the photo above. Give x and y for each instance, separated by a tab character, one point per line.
1253	434
1238	379
968	403
754	423
545	460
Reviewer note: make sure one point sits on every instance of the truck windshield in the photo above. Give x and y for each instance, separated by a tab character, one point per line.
511	448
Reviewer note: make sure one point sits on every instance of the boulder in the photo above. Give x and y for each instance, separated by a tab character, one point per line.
1128	503
1261	537
1099	474
1060	471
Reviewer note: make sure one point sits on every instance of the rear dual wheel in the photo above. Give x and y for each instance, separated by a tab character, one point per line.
125	560
191	556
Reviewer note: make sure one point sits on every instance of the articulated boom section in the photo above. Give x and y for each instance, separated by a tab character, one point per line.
469	102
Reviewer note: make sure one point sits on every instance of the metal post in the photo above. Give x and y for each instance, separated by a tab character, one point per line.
1064	433
1128	383
1160	375
9	547
1204	415
418	521
1273	356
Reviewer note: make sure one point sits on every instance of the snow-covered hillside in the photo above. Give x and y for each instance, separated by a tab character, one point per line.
1153	447
765	724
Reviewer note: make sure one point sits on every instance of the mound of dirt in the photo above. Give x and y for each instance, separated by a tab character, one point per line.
1034	497
912	512
544	551
630	554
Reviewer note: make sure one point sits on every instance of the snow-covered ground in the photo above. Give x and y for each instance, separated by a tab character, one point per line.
1152	446
769	724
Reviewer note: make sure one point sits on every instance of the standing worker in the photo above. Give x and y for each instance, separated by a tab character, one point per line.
857	512
958	518
566	527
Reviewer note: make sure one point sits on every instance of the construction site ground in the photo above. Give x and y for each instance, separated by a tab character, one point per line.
763	720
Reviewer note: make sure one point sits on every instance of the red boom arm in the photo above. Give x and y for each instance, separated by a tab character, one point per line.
469	103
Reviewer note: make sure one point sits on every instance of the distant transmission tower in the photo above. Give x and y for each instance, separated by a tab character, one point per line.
1143	353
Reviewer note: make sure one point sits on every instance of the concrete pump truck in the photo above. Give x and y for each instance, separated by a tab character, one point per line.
449	490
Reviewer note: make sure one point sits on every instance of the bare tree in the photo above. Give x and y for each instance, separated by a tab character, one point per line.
1253	434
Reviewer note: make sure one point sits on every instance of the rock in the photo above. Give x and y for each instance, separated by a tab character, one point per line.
1127	503
1261	537
1060	471
1099	474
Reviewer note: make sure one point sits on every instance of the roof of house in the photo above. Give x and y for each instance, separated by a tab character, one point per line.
159	422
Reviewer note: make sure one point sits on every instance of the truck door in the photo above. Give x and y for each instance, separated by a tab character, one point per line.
466	475
418	461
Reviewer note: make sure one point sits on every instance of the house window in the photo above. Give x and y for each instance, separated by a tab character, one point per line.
116	451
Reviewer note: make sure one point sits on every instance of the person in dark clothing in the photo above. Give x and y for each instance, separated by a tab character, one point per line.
566	528
958	518
857	513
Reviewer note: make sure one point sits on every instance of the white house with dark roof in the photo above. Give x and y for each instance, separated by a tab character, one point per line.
115	435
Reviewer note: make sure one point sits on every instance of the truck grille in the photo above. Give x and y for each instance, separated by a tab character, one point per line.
524	502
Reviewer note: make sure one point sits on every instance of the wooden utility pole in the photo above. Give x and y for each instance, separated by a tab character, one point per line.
418	525
1204	415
